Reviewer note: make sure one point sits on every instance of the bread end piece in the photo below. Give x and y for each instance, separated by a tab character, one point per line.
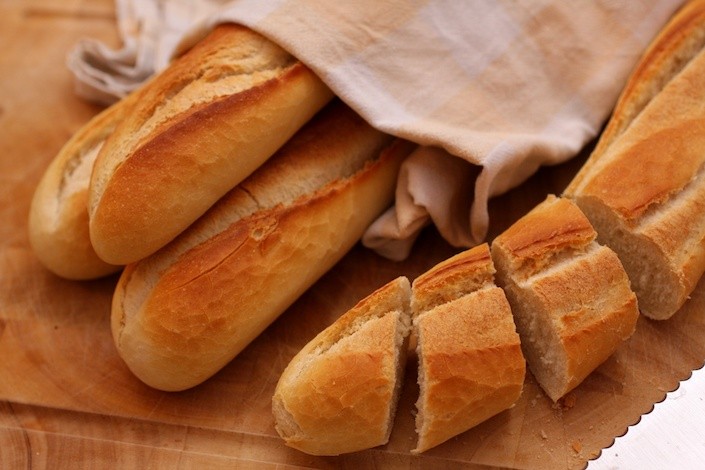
643	187
470	362
575	306
339	393
58	217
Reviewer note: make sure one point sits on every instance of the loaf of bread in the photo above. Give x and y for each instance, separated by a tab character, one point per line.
571	298
180	315
643	187
470	362
339	393
198	129
58	216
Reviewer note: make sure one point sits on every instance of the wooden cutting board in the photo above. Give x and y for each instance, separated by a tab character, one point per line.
66	397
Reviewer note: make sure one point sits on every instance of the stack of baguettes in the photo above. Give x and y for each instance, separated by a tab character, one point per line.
223	189
232	181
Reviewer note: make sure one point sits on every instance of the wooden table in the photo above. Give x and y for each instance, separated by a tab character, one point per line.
66	397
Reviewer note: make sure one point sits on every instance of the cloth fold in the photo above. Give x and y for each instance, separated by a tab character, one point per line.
490	91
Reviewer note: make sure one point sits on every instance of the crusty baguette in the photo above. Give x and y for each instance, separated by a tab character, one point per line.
470	362
58	217
671	50
570	296
339	393
181	314
199	128
643	187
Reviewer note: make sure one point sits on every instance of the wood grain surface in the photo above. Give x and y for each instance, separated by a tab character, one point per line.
67	400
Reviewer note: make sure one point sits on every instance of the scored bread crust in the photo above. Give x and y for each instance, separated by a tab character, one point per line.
470	362
571	299
643	188
180	315
671	50
452	278
339	393
199	128
58	217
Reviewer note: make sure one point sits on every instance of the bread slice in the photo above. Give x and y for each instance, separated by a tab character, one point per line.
571	299
643	187
470	362
339	393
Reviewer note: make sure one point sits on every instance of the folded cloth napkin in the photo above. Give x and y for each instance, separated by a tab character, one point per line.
491	90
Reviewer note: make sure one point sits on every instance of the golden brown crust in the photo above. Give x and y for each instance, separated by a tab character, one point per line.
182	314
471	365
643	188
339	393
634	180
470	361
677	42
200	128
58	220
592	312
454	277
534	241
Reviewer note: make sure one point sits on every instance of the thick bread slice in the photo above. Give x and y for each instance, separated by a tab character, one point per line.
643	188
470	362
339	393
570	297
199	128
58	217
181	314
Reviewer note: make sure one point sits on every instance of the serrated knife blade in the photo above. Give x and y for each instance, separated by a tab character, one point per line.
671	436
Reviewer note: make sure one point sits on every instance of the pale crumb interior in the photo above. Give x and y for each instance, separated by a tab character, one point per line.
657	286
401	348
540	339
77	174
420	403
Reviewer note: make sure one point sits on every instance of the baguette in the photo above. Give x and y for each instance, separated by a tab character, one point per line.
58	216
339	393
470	362
643	187
570	296
199	128
181	314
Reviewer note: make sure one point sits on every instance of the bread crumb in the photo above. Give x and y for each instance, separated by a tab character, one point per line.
577	446
568	401
543	434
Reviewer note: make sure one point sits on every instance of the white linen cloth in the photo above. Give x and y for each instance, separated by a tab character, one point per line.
490	89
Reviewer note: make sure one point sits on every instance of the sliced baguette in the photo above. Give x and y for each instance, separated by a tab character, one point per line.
470	362
181	314
199	128
58	217
643	187
339	393
570	296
